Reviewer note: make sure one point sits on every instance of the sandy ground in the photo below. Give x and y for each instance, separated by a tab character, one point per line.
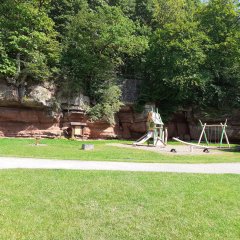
180	149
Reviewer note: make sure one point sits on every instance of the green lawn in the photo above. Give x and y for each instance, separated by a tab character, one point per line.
68	149
37	204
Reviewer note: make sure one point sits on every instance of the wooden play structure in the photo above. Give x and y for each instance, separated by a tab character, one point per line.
156	135
212	133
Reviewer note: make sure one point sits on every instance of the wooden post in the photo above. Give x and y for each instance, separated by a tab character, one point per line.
37	140
200	138
73	132
83	132
166	136
163	136
155	136
224	134
203	133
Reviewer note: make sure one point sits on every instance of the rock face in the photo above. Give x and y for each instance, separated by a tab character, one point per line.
35	96
78	102
33	115
28	115
8	94
41	95
130	124
133	125
130	90
24	122
94	130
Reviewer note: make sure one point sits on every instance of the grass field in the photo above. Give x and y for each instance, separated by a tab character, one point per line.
37	204
68	149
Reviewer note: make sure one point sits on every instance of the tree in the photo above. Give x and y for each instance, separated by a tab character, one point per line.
62	11
220	22
194	58
127	6
175	63
174	67
30	51
97	43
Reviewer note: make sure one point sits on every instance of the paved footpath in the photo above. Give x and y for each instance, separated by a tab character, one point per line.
32	163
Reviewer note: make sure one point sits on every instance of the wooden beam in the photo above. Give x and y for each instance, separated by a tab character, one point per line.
203	133
190	144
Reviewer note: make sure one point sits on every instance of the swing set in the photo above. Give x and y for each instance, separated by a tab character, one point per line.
210	132
214	133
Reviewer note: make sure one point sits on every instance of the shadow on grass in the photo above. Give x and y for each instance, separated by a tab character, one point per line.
231	149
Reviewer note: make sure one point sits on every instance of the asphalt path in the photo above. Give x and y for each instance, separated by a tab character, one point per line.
33	163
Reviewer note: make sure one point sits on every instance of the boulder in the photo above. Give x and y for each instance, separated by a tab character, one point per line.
76	102
8	94
40	95
87	147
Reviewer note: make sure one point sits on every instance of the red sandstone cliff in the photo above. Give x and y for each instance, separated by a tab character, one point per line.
36	114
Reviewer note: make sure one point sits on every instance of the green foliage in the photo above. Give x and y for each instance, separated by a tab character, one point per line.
62	11
96	45
6	66
194	58
28	43
127	6
107	105
185	52
171	11
175	63
220	22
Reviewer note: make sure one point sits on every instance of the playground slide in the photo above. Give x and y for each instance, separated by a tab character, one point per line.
144	138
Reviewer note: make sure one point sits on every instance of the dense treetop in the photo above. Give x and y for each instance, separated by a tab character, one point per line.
186	53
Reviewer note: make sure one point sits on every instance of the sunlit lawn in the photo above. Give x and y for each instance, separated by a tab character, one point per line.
69	149
42	205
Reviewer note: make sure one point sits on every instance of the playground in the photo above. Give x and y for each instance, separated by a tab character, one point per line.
120	120
74	204
132	197
181	149
111	150
211	138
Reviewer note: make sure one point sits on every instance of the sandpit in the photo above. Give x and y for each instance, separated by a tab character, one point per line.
180	149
